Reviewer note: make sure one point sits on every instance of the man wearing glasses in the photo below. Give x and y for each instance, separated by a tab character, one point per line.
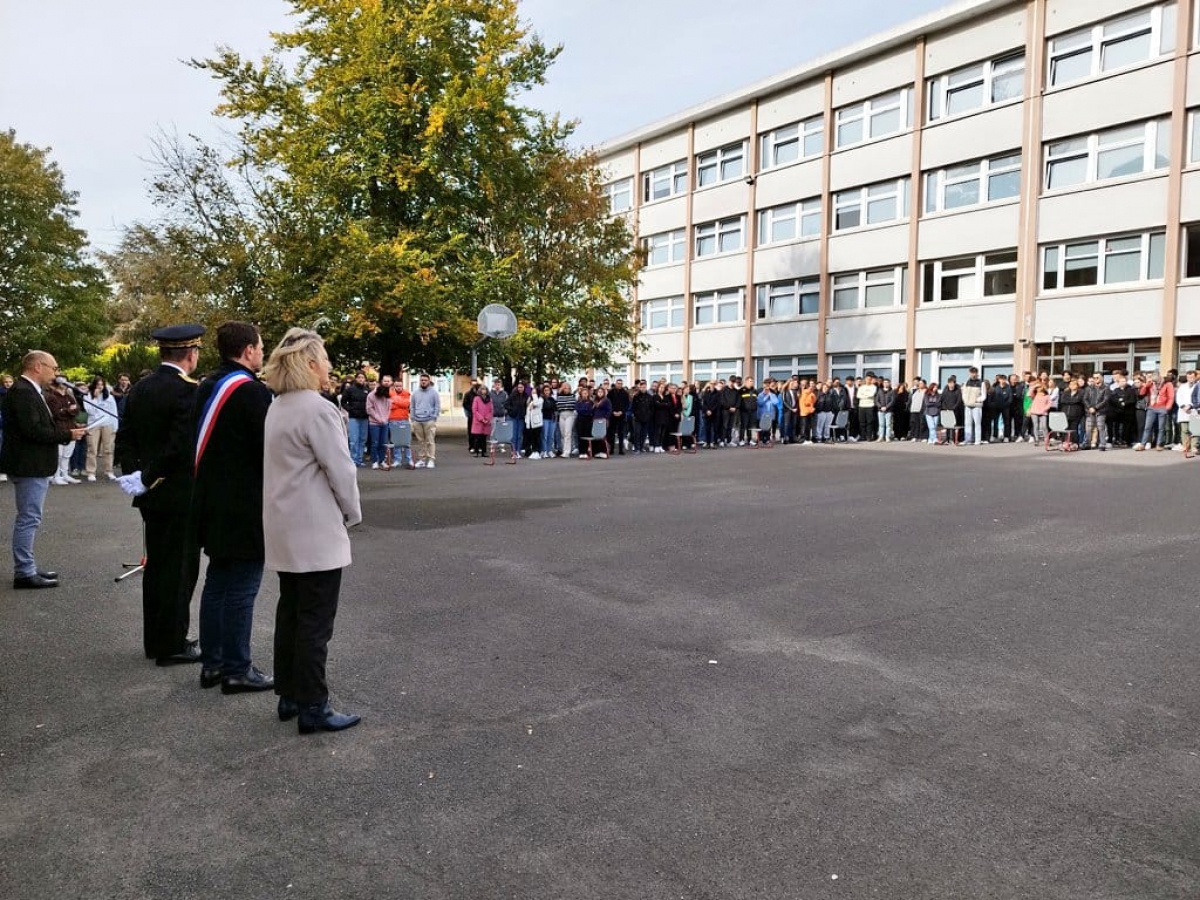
29	456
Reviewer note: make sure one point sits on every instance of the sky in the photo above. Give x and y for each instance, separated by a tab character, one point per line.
96	81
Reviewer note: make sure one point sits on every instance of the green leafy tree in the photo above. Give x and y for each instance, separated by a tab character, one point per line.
52	296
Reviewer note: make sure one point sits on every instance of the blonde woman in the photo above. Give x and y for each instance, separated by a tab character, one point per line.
310	498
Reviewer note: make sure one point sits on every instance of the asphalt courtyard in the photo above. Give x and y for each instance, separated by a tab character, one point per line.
861	672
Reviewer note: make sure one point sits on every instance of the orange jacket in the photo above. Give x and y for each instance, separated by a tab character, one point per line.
401	401
808	401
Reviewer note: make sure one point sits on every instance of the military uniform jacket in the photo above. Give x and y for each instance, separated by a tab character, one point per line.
228	495
156	438
31	437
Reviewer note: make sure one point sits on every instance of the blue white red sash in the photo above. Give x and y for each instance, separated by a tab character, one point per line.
216	402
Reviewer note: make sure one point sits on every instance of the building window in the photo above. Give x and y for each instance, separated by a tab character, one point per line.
870	205
666	312
1193	135
970	278
1113	153
665	248
856	365
785	299
665	181
1112	44
872	289
975	87
721	165
1113	260
790	143
1191	251
781	368
619	194
717	307
875	118
724	236
974	183
662	371
789	222
704	370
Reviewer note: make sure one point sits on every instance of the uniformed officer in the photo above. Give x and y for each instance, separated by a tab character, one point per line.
156	452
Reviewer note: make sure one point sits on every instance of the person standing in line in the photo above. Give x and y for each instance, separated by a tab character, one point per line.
426	406
482	412
121	390
885	407
29	456
900	412
566	420
916	410
789	397
533	426
354	402
619	398
102	430
399	410
6	384
549	407
468	400
379	407
156	451
230	413
1095	405
932	408
310	500
973	396
65	410
515	405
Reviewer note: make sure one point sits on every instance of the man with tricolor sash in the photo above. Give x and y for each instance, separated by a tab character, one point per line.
231	410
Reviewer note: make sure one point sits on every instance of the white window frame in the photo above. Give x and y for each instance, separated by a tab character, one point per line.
1054	259
983	75
937	181
804	215
863	198
794	288
785	367
673	175
718	303
615	189
716	162
864	363
800	135
1095	39
1154	139
657	371
1193	135
719	237
869	111
673	308
675	242
862	281
980	267
705	370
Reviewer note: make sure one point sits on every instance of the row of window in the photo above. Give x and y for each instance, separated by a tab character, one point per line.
1107	46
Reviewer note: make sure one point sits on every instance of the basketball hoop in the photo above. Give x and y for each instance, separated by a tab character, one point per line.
497	321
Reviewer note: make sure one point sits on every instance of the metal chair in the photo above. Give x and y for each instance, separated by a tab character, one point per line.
599	433
687	429
1059	434
502	433
841	422
951	430
766	426
1189	446
399	438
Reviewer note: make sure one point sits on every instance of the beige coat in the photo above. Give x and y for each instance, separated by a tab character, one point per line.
310	486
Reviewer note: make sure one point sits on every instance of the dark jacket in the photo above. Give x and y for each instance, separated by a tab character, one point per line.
1017	398
516	404
354	401
749	400
227	497
663	408
31	436
932	405
1071	402
885	400
156	439
1096	398
730	397
619	398
1123	398
643	407
1000	397
951	399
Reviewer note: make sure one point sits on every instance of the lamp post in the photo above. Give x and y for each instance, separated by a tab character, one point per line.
1054	338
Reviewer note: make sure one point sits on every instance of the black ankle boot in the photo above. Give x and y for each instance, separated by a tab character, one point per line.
288	709
321	717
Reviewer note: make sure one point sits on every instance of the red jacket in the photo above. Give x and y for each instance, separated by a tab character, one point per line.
1162	397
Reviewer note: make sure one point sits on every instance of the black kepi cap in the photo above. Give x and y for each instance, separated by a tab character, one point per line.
178	337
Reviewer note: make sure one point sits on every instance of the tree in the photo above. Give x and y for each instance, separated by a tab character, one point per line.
391	130
52	296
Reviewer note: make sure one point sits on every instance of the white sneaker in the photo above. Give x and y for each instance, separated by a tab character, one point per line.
601	456
430	465
112	477
3	477
58	479
658	449
535	455
71	480
1139	447
91	479
420	464
374	465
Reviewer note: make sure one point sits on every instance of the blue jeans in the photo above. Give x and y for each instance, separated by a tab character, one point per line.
824	426
885	426
518	434
357	429
549	435
227	613
30	494
973	420
1156	422
932	423
378	437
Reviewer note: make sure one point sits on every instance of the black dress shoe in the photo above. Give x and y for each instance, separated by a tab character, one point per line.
49	576
189	654
210	678
288	709
252	680
321	717
33	583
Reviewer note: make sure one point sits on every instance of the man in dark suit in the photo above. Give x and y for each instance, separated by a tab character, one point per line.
156	453
231	414
29	456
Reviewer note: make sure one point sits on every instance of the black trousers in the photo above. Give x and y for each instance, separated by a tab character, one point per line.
641	434
917	429
867	424
618	426
308	603
172	567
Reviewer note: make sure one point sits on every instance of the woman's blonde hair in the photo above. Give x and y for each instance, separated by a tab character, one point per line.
288	368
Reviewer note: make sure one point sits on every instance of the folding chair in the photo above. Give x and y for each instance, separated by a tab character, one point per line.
399	438
951	430
1058	434
840	423
1189	446
502	433
599	433
766	426
687	428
